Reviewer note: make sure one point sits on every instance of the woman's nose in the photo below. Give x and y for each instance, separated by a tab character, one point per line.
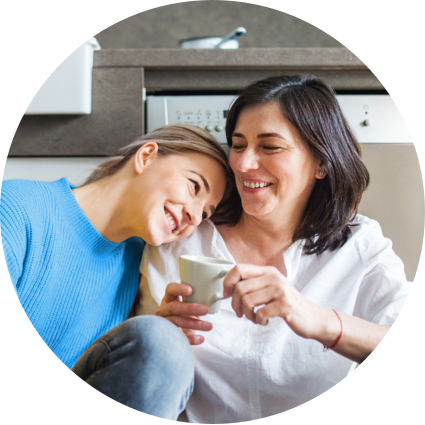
247	161
193	215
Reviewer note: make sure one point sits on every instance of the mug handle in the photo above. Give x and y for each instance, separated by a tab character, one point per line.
217	296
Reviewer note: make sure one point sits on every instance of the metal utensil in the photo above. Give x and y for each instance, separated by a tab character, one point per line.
234	35
230	41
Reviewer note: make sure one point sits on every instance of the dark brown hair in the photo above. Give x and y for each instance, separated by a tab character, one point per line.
309	103
177	139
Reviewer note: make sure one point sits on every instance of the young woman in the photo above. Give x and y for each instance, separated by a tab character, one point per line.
322	281
73	256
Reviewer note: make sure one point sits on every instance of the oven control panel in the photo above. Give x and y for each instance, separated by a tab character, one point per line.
208	112
374	118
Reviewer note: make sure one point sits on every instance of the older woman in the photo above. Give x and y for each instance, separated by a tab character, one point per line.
73	256
322	281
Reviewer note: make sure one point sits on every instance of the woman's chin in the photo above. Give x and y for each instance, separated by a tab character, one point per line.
256	210
155	239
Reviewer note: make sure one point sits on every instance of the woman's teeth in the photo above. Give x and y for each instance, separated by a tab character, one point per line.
170	219
254	185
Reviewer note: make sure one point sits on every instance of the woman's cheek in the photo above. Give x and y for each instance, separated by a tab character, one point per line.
187	231
181	191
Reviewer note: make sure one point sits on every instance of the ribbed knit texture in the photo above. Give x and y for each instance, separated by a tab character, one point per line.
73	284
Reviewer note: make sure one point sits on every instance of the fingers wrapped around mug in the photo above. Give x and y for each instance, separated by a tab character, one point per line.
255	288
261	293
184	315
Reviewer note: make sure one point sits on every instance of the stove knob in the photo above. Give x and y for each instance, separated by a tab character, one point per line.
218	128
366	123
209	128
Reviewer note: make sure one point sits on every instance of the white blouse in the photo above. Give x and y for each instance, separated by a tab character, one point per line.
246	371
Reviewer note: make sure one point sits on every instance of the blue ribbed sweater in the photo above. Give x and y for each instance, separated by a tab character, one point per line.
73	284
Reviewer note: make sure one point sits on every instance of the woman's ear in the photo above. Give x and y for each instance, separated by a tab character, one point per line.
320	172
144	155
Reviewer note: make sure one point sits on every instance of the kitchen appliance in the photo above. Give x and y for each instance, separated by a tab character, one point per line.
395	197
374	118
208	112
230	41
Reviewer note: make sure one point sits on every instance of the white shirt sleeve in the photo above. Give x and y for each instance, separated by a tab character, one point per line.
384	286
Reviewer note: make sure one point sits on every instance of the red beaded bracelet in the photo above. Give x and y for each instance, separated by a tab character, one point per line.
339	336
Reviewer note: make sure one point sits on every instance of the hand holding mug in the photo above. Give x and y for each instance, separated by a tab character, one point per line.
184	315
202	291
261	293
205	276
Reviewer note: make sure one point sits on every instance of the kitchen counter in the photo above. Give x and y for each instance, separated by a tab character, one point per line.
255	58
122	77
219	69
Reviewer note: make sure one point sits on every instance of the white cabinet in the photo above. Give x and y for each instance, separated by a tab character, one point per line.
68	90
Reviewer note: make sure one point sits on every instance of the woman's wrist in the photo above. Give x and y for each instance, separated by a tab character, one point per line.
331	328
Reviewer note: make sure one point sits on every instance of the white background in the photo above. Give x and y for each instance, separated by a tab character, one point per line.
36	36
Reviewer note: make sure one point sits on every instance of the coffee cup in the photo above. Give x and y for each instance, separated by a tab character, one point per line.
205	275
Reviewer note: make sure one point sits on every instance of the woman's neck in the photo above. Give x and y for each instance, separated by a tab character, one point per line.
102	203
278	228
260	241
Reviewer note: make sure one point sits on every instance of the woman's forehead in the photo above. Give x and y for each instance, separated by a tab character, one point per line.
265	119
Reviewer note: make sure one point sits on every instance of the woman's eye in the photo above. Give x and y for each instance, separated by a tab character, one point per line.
236	147
196	186
271	148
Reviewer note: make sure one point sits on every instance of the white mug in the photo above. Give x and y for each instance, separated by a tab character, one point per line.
205	275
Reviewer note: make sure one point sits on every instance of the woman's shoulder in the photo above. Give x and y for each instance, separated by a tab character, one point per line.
365	227
20	188
24	192
370	241
199	242
31	200
20	198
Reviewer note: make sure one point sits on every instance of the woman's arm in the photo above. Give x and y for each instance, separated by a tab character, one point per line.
261	293
359	337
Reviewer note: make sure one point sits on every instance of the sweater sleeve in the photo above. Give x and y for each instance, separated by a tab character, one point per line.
13	230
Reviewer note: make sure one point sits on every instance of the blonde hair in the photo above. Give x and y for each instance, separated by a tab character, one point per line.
176	139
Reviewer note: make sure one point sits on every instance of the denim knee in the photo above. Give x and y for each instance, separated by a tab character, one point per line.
145	363
161	338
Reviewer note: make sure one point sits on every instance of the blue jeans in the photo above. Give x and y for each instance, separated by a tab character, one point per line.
145	363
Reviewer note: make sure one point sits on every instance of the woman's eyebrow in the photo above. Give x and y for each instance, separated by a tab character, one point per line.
260	136
265	135
207	186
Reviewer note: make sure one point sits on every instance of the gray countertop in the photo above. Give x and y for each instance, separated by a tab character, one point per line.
219	69
254	58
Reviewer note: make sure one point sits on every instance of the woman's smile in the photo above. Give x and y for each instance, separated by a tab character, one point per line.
254	185
171	221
